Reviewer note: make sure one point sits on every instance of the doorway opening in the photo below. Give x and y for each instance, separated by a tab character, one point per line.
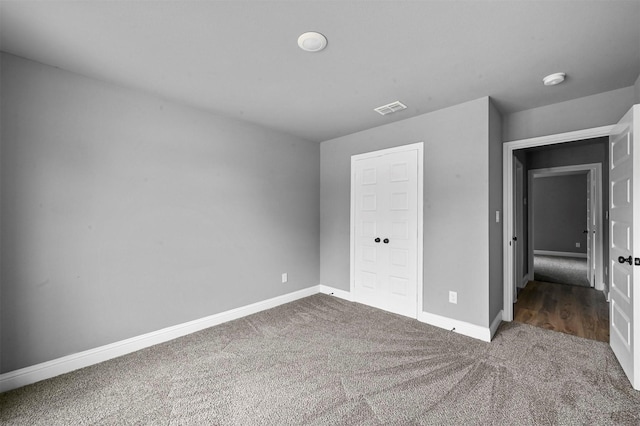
561	240
565	227
573	309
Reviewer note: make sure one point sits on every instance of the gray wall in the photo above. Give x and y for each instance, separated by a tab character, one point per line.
560	213
456	205
592	111
123	213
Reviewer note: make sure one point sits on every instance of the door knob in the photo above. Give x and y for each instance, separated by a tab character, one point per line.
386	241
377	240
622	259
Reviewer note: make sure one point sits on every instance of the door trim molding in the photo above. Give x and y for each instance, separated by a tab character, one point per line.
419	147
508	149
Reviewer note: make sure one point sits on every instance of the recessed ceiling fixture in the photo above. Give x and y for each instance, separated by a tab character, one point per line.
553	79
312	42
390	108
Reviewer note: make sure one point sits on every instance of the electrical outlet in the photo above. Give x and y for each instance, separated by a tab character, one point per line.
285	277
453	297
577	244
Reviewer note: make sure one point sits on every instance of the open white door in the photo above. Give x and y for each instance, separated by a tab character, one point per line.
518	219
595	233
589	231
624	178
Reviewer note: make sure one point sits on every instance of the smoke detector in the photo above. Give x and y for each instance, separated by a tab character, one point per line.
390	108
312	42
553	79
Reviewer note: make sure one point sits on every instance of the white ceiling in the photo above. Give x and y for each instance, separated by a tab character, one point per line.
241	59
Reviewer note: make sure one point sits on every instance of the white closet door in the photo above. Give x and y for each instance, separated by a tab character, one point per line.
386	228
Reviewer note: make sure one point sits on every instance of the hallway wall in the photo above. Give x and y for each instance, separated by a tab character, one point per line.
560	213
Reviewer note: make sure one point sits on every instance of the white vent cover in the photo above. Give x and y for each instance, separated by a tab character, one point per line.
390	108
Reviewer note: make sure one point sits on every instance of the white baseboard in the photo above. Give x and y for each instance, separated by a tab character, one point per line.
560	253
461	327
471	330
342	294
524	281
35	373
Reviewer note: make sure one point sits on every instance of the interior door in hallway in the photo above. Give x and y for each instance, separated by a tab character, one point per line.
385	230
624	231
589	231
518	220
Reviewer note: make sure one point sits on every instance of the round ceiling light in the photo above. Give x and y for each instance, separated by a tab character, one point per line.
553	79
312	42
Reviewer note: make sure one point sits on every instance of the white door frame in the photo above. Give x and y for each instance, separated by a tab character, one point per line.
507	193
418	146
594	171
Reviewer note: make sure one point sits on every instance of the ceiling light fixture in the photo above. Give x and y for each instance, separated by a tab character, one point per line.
553	79
312	42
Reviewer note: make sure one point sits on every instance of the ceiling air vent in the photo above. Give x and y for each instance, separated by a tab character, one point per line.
390	108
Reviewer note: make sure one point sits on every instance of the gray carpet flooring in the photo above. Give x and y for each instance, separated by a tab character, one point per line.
560	270
325	361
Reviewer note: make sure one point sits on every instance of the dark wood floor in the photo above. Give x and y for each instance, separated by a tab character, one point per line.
570	309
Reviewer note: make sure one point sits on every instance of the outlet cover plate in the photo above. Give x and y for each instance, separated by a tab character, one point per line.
453	297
